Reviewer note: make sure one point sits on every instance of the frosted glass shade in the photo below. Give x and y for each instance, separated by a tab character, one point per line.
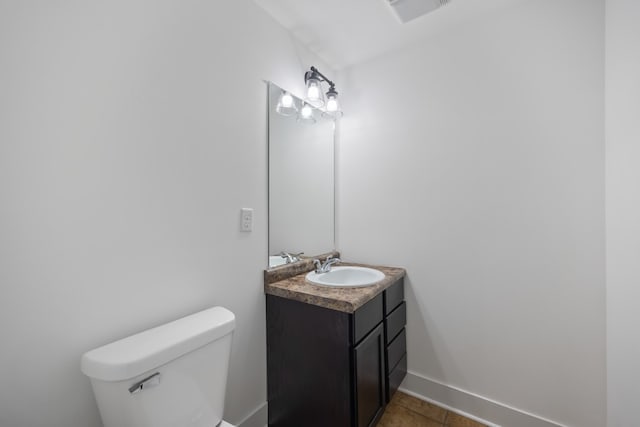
314	96
286	104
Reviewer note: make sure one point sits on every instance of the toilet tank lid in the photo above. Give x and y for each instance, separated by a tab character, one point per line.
134	355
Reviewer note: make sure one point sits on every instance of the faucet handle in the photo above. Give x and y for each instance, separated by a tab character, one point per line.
325	267
290	257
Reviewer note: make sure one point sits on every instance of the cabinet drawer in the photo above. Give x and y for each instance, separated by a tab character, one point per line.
396	376
393	296
395	322
396	350
366	318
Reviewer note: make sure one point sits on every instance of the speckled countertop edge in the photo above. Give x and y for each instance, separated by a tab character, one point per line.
286	271
347	300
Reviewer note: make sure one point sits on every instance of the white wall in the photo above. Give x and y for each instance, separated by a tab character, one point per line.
476	160
623	211
131	134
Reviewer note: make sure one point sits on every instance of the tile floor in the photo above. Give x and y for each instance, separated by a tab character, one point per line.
407	411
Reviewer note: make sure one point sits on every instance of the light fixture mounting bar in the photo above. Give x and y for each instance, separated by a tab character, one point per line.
315	72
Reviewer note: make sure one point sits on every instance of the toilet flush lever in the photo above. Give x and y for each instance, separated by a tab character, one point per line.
149	382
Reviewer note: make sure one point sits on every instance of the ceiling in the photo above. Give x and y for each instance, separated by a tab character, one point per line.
348	32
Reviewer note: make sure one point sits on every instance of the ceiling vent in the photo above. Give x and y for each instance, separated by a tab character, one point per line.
408	10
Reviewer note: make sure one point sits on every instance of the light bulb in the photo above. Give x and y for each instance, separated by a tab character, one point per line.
306	111
286	104
287	100
313	92
332	104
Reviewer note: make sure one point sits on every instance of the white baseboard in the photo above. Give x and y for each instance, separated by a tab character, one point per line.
257	418
470	405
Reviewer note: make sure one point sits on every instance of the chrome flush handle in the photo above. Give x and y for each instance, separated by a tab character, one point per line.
149	382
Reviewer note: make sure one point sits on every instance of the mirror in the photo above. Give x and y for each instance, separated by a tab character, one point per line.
301	182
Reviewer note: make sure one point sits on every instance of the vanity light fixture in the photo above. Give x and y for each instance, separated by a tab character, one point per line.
286	104
313	79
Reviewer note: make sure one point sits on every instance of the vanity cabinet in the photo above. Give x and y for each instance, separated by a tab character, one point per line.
327	367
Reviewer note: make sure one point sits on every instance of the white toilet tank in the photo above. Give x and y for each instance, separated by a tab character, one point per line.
174	375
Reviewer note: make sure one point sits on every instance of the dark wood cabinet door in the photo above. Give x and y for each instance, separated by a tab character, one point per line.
370	378
308	363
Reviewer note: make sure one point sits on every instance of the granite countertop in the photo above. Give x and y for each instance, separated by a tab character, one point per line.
342	299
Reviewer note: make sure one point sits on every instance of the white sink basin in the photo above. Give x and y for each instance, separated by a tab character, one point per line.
346	277
276	260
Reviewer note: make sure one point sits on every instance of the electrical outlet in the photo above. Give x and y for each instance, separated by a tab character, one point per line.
246	219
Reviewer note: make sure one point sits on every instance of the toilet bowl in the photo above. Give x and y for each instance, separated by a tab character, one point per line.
174	375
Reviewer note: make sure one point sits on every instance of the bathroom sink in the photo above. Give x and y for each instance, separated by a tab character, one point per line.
346	277
276	260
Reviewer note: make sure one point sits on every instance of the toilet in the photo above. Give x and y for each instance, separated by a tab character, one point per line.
174	375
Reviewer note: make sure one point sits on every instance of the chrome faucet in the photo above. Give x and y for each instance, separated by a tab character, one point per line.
291	257
325	267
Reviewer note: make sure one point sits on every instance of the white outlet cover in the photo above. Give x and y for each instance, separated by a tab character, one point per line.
246	219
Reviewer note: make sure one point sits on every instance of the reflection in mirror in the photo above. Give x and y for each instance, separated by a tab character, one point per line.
301	181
